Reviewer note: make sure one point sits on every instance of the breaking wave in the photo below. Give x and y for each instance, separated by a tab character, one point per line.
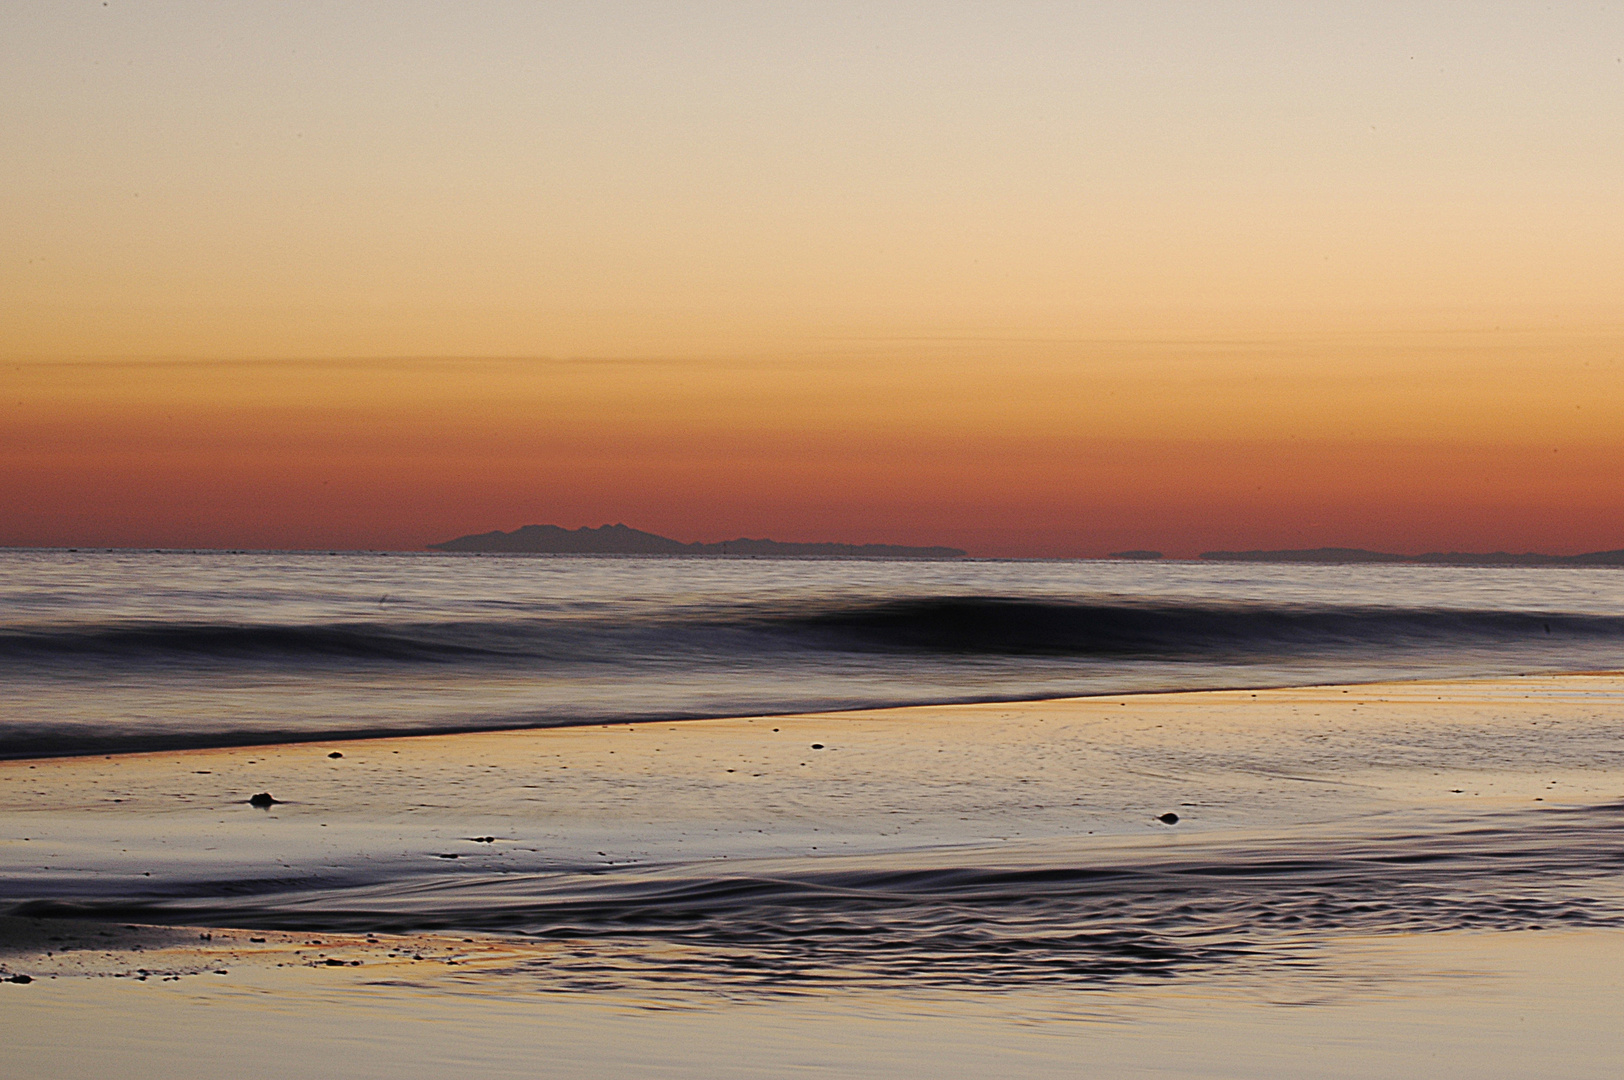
954	625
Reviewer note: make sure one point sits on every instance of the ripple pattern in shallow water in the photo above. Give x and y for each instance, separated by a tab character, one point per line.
1059	912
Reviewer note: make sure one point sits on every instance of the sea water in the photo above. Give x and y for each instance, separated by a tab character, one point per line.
961	848
110	651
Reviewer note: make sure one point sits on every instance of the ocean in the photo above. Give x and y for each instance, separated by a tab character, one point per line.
122	651
1381	750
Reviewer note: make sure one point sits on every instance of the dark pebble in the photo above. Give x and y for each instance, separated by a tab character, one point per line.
334	963
262	799
335	753
817	746
21	979
1169	818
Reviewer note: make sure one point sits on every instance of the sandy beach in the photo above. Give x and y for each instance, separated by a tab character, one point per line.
1466	1005
388	915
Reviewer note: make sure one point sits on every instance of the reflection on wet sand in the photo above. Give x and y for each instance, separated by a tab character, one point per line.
865	887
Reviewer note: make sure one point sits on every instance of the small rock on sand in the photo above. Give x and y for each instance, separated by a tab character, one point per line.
262	799
1168	818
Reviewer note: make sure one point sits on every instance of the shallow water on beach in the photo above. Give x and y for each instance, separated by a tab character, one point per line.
978	847
894	877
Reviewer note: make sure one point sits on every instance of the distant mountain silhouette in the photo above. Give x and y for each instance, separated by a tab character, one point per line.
1136	553
624	540
1432	558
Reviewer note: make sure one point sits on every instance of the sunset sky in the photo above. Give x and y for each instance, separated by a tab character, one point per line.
1029	279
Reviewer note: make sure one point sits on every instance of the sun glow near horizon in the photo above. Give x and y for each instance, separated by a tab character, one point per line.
1058	449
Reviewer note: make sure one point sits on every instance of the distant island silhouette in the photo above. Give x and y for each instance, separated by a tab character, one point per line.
1432	558
624	540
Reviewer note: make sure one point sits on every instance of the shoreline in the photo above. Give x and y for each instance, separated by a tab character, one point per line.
183	744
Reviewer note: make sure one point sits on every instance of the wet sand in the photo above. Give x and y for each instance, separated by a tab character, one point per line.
1250	767
1439	1006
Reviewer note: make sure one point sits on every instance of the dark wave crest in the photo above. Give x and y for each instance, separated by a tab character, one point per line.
970	625
997	625
139	641
116	686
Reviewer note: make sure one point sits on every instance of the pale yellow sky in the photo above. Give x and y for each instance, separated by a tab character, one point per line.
240	179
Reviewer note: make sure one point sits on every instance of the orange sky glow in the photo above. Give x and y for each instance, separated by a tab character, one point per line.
1463	441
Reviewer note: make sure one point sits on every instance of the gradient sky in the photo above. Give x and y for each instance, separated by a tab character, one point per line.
1033	279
